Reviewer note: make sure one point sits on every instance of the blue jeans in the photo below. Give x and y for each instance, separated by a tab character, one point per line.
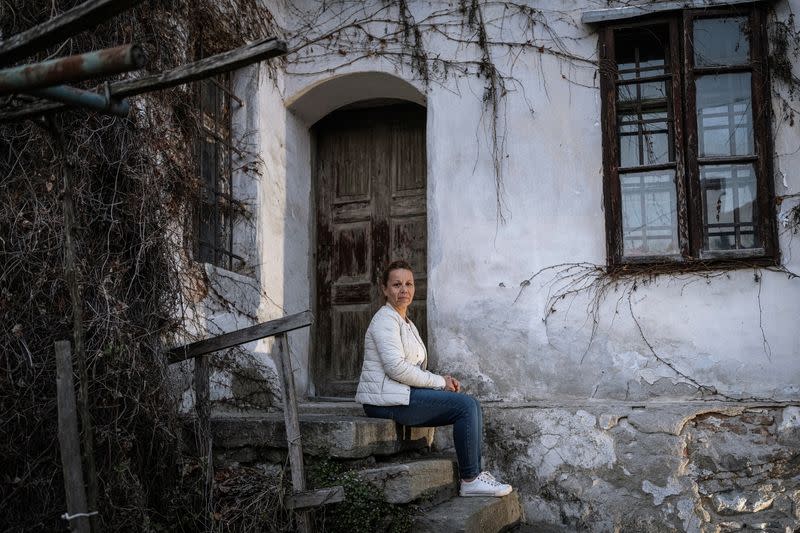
431	408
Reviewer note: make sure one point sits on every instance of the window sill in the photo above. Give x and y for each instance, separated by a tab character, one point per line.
213	270
668	266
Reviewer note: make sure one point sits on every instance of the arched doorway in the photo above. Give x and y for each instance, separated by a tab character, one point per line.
370	193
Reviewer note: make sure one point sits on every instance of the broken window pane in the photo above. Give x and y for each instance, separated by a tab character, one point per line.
729	204
649	213
641	52
644	118
721	41
724	115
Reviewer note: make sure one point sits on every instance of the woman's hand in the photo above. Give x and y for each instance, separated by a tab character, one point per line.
451	384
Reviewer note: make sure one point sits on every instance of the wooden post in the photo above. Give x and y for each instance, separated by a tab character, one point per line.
69	439
202	408
292	423
71	278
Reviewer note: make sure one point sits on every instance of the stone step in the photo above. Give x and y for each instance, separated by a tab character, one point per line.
346	437
471	515
414	480
538	527
348	408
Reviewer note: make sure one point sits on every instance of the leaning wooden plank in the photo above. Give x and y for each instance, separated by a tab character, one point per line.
315	498
69	441
241	336
204	68
292	424
77	19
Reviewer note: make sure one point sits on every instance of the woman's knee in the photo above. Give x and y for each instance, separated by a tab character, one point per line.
469	406
476	402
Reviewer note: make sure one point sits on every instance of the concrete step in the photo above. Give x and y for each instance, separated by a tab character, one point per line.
471	515
346	437
414	480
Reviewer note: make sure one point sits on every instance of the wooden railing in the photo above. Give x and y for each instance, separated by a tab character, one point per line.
301	500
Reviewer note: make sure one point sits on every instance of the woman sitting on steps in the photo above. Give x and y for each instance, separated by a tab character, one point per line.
395	384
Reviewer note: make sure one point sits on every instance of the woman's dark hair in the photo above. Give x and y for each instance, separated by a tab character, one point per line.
394	265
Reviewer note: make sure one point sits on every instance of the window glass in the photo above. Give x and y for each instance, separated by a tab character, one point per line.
724	115
644	138
649	213
642	92
721	41
729	204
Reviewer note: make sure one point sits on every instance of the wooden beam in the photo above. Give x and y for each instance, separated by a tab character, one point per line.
203	68
315	498
69	23
197	70
241	336
292	423
69	441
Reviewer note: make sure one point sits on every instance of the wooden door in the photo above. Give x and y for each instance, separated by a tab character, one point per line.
371	209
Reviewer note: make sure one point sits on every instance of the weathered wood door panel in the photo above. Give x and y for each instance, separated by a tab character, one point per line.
371	209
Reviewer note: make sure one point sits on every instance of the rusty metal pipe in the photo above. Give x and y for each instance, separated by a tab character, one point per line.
61	27
87	99
27	78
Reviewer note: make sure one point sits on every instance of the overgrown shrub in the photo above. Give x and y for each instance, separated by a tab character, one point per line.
364	509
134	185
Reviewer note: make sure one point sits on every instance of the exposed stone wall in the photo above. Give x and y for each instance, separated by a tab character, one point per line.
244	377
654	468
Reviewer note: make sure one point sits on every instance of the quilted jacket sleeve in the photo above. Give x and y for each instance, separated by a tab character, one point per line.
386	335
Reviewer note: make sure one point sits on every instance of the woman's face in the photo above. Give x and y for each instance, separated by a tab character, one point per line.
399	289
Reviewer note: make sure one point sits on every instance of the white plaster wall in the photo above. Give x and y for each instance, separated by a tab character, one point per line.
283	219
482	327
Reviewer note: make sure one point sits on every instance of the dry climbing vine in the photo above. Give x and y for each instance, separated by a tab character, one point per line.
341	34
135	183
565	282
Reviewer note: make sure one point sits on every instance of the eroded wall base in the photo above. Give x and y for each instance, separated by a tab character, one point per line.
649	468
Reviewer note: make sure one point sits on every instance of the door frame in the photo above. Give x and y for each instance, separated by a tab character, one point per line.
314	370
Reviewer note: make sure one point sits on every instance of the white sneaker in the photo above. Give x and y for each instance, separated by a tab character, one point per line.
484	485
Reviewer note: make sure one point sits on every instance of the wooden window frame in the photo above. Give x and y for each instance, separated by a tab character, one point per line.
686	163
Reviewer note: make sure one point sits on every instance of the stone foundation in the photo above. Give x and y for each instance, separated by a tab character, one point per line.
649	468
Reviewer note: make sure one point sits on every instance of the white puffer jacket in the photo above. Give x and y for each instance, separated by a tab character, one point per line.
394	361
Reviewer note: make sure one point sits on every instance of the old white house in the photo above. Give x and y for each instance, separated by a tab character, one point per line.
599	199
